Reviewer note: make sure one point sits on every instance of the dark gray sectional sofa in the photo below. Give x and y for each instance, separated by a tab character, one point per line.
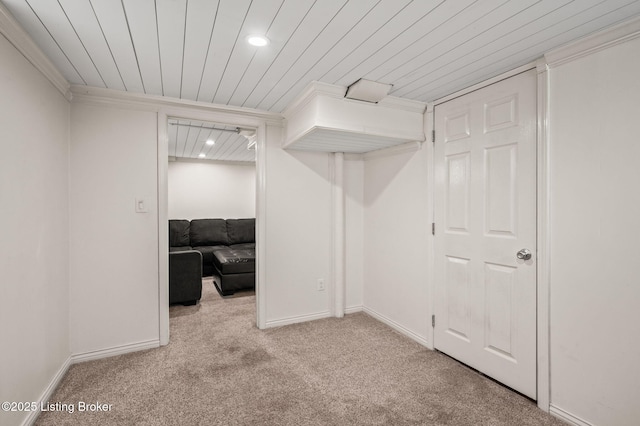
227	247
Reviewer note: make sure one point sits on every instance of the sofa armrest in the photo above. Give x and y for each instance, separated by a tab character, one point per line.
185	276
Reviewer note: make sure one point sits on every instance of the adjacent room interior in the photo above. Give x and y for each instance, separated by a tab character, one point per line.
211	208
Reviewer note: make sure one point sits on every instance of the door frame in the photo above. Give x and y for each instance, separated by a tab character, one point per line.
542	213
216	114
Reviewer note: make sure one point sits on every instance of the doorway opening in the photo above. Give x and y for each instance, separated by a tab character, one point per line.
211	213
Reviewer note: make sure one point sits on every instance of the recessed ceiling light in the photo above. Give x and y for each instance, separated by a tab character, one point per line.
257	40
210	142
202	155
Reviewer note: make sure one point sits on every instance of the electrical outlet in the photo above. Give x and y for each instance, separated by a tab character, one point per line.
320	284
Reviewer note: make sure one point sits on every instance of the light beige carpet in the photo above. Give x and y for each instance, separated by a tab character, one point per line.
219	369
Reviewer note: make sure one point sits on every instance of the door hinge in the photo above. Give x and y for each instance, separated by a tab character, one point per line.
433	320
433	228
433	136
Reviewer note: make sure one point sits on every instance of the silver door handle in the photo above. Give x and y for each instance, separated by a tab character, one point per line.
524	254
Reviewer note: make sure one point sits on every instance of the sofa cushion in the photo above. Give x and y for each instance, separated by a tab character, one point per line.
208	232
241	231
178	233
181	248
232	261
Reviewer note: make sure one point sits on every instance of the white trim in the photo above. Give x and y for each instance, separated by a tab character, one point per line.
503	76
310	92
603	39
155	103
163	236
353	309
216	115
46	394
114	351
298	319
543	240
261	225
393	150
18	37
397	327
338	249
568	417
429	125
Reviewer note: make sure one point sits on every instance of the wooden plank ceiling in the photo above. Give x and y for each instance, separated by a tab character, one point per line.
199	139
197	49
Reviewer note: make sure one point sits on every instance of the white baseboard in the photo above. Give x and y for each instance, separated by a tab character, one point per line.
117	350
46	394
297	319
567	417
399	328
353	309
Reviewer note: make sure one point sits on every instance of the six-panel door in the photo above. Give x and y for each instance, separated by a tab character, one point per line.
485	212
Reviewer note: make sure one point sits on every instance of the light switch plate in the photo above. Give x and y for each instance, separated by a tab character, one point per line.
141	205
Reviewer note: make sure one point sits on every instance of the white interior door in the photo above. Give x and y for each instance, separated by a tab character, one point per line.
485	213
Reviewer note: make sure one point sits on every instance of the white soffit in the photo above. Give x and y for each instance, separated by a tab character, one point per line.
322	119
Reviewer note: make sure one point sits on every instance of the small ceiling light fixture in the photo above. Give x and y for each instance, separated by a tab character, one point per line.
210	142
257	40
368	91
202	155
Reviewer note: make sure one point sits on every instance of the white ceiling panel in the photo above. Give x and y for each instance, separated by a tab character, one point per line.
171	28
58	25
188	139
463	31
197	50
201	18
303	36
258	21
288	19
142	22
41	36
404	28
226	31
115	28
87	30
348	17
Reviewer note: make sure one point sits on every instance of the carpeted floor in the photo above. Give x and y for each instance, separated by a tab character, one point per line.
219	369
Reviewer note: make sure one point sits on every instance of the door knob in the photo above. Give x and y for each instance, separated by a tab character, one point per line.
524	254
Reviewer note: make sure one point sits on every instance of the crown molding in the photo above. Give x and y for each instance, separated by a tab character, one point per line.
601	40
18	37
155	103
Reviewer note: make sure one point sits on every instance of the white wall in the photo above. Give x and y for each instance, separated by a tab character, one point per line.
113	249
208	189
34	254
354	232
396	231
595	221
298	232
